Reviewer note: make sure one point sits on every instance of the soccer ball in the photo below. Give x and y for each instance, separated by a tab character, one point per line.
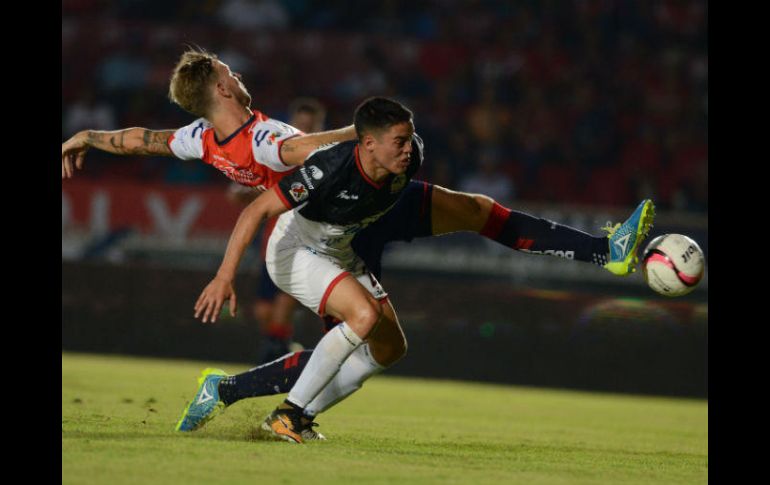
673	264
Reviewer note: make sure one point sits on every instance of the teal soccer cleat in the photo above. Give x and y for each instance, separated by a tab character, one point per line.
206	404
625	239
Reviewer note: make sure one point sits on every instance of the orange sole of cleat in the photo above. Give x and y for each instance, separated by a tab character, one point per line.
279	430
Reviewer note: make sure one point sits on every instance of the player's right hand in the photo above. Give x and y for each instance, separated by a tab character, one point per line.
212	298
72	153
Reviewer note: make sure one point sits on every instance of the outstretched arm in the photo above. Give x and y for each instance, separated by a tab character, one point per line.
131	141
212	298
295	150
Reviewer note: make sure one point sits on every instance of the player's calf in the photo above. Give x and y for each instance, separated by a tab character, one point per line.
388	353
388	342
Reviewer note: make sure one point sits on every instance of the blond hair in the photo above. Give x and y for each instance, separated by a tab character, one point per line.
190	83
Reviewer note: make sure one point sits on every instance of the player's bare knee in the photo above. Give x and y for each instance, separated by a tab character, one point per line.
364	318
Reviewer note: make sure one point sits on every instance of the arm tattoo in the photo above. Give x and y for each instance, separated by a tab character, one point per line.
156	142
97	139
119	146
150	143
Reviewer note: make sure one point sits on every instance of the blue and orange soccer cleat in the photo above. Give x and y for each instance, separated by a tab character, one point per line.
206	404
625	239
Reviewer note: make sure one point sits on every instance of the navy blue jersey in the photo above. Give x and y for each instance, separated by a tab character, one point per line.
334	198
408	219
332	187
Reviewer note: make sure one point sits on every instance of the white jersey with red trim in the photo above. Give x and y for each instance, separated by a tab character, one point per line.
250	156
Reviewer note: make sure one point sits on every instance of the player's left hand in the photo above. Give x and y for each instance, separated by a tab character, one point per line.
73	152
212	298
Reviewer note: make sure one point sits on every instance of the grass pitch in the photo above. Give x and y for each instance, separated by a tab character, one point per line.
119	413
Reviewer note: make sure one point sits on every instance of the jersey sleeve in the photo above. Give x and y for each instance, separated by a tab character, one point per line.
266	140
187	142
304	184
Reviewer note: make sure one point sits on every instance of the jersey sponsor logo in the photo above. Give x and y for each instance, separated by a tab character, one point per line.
259	136
224	160
306	178
398	183
273	136
315	172
369	220
298	192
552	252
241	175
198	127
344	195
334	242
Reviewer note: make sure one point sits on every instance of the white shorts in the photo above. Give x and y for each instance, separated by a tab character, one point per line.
309	276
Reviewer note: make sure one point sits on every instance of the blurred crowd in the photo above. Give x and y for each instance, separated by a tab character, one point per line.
582	101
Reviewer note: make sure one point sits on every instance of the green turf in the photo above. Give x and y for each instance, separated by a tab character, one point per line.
119	413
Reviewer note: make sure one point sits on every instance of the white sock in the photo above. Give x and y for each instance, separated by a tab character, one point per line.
332	350
354	371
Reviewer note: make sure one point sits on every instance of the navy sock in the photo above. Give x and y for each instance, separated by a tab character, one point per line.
524	232
276	377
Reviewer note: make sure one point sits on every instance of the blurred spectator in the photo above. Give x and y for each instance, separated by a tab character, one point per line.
236	59
124	69
584	91
642	153
307	114
88	113
488	118
489	179
592	131
254	15
368	78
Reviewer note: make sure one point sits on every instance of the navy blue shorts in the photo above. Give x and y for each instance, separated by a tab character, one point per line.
266	289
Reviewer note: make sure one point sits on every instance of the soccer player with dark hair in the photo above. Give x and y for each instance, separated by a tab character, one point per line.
257	151
339	191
